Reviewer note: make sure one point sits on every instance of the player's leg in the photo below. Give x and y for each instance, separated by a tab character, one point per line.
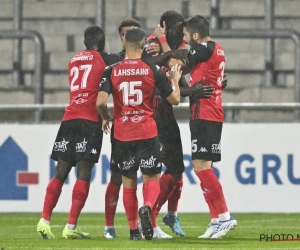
130	202
126	160
172	157
62	153
148	157
112	194
79	196
205	136
88	146
111	201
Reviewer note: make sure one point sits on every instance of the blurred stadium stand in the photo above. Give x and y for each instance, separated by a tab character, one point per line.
62	22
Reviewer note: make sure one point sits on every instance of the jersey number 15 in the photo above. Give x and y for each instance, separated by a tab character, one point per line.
131	95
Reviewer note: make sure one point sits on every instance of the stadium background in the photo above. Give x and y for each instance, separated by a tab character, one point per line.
260	144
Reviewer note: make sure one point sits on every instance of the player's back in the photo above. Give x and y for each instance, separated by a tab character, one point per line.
208	61
133	84
85	70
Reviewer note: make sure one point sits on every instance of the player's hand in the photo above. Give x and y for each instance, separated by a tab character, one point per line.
153	48
202	91
175	73
106	125
160	31
224	82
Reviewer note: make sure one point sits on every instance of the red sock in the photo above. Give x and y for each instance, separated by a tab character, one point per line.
150	192
52	194
131	206
80	193
111	201
212	210
213	189
167	184
175	196
153	216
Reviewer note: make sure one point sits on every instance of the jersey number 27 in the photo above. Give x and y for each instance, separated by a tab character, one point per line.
74	72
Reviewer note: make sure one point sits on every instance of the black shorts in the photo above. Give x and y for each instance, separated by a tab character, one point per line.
171	146
205	140
143	154
113	166
78	140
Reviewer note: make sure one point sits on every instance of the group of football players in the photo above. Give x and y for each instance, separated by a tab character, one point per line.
145	79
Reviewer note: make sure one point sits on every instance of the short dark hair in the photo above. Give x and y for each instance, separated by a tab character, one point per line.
197	24
174	26
129	22
135	35
94	36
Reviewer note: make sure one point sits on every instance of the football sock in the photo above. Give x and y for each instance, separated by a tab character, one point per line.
46	221
212	210
175	196
224	216
111	201
167	184
131	206
79	196
213	190
172	213
53	192
71	226
150	192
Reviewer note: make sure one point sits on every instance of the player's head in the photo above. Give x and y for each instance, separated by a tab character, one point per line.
94	38
196	28
174	25
135	39
126	24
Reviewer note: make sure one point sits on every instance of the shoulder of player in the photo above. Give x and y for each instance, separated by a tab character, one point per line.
110	58
154	68
207	46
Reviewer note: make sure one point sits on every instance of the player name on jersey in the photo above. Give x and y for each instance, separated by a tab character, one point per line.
131	72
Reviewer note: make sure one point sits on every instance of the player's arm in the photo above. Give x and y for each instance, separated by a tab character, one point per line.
162	84
105	90
160	34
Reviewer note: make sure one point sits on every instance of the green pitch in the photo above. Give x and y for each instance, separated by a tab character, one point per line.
18	231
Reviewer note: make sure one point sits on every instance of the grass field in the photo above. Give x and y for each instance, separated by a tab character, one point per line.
18	231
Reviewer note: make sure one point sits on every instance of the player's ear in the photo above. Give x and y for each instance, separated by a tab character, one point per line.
196	36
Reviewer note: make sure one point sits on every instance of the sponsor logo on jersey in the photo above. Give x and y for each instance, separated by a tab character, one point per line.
149	163
136	118
61	145
216	148
132	112
81	146
127	164
124	119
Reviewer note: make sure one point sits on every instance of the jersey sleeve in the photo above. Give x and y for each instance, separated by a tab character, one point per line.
161	81
106	84
110	59
201	53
